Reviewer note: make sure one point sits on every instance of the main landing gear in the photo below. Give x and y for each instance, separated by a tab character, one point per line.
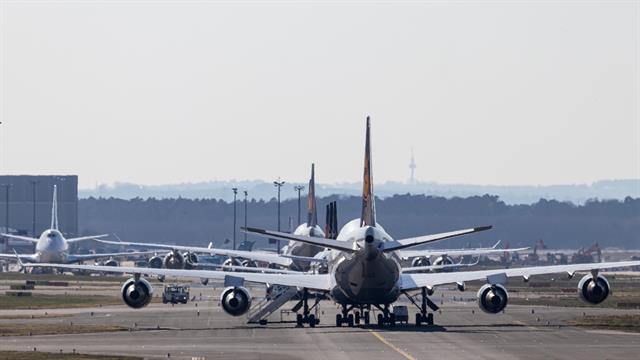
423	317
306	317
386	317
362	315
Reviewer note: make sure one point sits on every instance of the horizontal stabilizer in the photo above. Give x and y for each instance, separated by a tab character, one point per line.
18	237
405	243
83	238
322	242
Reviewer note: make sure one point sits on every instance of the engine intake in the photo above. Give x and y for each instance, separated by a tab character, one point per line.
594	291
137	294
174	260
155	262
421	261
492	298
235	301
443	260
191	260
111	262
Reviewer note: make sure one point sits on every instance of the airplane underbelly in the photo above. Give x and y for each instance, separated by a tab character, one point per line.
367	281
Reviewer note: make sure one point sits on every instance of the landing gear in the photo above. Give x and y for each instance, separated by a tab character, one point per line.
387	317
366	318
357	317
423	317
306	317
345	317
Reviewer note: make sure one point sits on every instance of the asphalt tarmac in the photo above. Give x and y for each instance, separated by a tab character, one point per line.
206	332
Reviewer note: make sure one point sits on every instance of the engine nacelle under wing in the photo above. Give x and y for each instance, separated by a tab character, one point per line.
594	291
235	301
137	294
492	298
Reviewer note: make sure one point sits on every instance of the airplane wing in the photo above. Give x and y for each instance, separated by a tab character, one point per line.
309	281
437	267
22	257
416	281
410	242
18	237
83	238
405	254
272	258
74	258
321	242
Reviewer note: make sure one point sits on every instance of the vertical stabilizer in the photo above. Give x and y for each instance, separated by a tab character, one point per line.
312	213
368	217
54	209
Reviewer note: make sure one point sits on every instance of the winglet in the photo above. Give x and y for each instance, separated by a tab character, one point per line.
54	209
368	217
312	214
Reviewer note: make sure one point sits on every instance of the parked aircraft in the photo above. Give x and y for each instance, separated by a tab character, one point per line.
53	247
364	271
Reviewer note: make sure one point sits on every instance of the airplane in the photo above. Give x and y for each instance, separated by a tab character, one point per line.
444	256
295	256
364	271
53	247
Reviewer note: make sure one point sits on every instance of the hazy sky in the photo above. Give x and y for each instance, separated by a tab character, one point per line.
165	92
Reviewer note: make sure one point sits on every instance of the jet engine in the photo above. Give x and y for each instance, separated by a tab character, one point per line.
155	262
421	261
594	291
492	298
191	260
443	260
111	262
249	263
137	293
174	260
232	262
235	301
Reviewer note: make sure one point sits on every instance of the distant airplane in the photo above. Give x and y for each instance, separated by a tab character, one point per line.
364	272
295	256
52	247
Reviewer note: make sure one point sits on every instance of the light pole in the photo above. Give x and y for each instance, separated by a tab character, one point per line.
235	194
278	184
299	188
245	215
35	197
6	219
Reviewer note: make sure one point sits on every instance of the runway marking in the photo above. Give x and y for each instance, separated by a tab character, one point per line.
395	348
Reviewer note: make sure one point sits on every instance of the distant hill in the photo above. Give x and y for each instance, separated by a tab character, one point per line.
261	190
611	223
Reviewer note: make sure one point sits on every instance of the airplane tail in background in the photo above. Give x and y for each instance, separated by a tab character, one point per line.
54	209
312	213
368	217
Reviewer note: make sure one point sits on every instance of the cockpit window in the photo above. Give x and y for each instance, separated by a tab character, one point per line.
51	235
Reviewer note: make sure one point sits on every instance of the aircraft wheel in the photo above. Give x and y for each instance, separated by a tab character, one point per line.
338	320
418	319
380	320
367	319
350	320
357	318
312	320
299	320
430	319
392	319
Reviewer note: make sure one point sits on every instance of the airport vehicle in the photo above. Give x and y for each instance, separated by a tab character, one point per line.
401	313
364	272
295	255
175	293
53	247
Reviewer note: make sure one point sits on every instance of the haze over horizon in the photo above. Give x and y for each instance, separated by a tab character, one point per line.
485	93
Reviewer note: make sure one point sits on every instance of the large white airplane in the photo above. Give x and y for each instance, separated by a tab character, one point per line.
364	271
295	255
52	247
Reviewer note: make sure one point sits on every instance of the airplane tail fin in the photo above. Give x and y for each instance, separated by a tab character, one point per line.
312	213
368	217
54	209
331	228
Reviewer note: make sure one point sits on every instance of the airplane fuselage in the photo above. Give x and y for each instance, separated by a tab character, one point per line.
301	249
52	247
368	275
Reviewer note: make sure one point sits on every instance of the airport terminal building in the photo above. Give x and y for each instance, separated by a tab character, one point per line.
29	204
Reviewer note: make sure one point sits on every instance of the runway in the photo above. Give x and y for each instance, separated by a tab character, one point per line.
463	332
